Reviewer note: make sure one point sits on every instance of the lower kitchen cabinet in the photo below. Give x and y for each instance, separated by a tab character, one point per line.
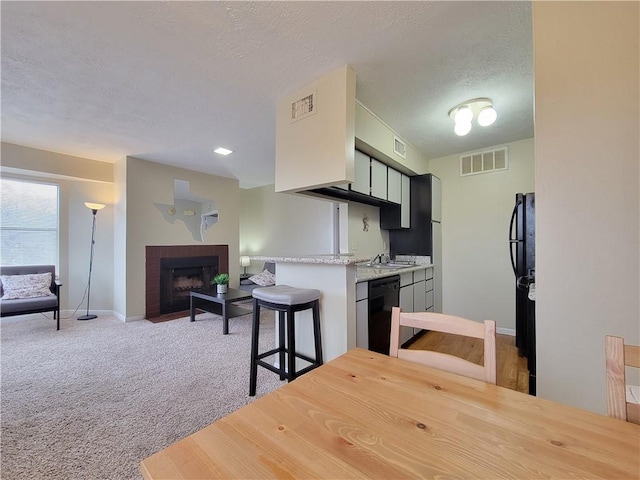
362	315
406	303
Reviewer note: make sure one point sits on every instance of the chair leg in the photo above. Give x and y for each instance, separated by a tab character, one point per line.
291	345
316	332
255	327
56	315
282	332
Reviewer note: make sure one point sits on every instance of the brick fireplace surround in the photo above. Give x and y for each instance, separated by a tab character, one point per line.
155	253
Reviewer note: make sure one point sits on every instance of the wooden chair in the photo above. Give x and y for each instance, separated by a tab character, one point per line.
448	324
617	356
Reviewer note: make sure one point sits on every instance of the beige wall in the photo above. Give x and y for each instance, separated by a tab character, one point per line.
317	150
478	281
148	183
283	224
76	179
587	172
372	241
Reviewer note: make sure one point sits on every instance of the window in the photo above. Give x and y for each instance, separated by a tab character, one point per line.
28	223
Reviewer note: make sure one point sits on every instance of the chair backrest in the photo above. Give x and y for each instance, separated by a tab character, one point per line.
447	324
617	356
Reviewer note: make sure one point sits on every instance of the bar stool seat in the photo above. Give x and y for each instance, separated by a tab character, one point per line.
287	301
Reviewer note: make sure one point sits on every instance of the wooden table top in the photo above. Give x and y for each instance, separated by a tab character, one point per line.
366	415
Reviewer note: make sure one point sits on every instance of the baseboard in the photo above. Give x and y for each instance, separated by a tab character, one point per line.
77	313
506	331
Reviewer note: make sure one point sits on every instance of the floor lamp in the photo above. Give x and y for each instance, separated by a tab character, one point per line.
94	207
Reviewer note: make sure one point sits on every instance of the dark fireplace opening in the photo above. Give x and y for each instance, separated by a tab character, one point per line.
181	275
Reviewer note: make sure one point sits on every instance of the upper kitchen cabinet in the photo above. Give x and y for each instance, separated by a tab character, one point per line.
315	133
394	186
405	213
378	179
362	168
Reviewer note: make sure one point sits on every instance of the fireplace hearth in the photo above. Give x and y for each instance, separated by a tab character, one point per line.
189	266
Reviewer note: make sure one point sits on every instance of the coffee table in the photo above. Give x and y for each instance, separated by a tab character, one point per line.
211	301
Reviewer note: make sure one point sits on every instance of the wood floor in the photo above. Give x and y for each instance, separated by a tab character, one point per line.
512	370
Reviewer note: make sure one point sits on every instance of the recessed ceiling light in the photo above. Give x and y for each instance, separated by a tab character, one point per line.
223	151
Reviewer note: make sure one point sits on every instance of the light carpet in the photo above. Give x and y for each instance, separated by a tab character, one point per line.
97	397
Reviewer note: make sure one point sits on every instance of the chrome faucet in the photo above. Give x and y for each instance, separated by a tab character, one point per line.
377	257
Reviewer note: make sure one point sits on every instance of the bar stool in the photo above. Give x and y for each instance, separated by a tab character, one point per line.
287	301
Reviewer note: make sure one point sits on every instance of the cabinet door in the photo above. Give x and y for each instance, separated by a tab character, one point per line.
405	208
419	297
362	173
378	179
406	298
362	324
429	300
394	186
406	304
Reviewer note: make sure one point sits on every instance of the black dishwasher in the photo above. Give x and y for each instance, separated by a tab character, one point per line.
384	293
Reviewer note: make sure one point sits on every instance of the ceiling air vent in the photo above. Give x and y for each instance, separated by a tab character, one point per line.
484	162
399	147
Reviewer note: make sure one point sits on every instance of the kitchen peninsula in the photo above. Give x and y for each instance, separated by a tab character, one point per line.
335	277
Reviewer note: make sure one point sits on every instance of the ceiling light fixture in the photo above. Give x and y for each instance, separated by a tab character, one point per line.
223	151
463	113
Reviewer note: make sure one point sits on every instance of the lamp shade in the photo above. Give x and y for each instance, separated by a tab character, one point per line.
463	115
462	128
94	206
245	261
487	116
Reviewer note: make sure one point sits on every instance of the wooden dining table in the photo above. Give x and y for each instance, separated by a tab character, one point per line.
366	415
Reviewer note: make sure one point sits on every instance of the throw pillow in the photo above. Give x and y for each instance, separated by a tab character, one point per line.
264	279
26	286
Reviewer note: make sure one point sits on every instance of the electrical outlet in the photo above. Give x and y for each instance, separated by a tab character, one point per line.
354	246
384	246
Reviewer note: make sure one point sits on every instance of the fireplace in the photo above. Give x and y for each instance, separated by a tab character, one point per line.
179	276
191	266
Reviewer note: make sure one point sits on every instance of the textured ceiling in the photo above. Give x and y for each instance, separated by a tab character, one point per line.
170	81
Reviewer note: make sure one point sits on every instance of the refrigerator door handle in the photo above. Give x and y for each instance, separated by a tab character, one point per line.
513	219
513	241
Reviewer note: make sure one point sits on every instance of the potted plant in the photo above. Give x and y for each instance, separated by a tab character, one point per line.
222	282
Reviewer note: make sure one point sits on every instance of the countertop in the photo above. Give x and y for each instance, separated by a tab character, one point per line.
324	259
364	274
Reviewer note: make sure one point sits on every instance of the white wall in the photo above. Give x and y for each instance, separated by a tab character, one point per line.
478	281
587	170
80	180
283	224
148	183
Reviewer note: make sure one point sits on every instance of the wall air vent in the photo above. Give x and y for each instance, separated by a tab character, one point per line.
304	107
484	162
399	147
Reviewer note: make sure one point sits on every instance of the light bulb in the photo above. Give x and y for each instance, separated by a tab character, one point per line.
462	128
463	115
487	116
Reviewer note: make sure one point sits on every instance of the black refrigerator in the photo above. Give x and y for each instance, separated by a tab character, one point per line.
522	235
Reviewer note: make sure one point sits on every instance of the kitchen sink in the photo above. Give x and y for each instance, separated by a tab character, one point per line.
387	266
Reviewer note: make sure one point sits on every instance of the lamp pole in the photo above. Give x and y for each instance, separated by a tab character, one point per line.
94	209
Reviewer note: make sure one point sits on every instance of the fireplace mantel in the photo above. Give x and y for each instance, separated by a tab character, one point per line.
155	253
